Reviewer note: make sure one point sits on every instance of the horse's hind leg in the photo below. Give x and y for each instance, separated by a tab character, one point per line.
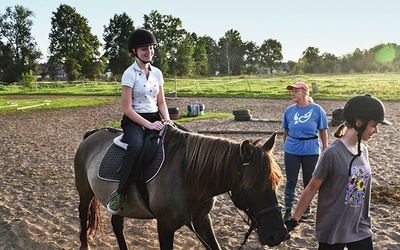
118	227
204	231
88	204
84	204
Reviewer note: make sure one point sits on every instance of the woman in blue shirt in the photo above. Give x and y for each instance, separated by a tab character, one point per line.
301	122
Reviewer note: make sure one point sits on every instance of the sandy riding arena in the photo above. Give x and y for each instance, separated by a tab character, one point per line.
39	202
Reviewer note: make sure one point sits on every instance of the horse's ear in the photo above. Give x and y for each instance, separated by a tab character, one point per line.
269	145
246	149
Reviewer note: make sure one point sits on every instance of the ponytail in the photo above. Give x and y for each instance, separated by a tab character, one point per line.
341	130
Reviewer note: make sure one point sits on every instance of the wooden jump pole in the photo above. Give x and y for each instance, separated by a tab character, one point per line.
32	106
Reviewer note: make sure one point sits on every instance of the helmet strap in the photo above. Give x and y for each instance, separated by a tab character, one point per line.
141	59
360	131
136	55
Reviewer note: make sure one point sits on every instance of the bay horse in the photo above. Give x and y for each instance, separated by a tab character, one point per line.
196	169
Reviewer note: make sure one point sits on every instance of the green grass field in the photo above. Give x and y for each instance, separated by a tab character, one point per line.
81	94
337	87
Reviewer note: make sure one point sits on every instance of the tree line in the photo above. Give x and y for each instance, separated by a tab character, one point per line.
179	53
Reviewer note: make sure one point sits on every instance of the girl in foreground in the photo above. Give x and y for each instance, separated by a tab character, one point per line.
343	179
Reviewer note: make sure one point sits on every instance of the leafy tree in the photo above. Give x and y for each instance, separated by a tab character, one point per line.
116	36
7	73
200	56
28	80
184	59
251	58
271	54
295	68
169	34
310	59
73	45
358	60
161	59
310	55
345	63
213	53
330	63
19	54
232	52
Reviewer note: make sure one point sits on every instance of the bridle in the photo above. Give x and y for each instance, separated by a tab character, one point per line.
253	216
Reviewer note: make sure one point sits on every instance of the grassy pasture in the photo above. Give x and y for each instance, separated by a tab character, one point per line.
333	87
53	95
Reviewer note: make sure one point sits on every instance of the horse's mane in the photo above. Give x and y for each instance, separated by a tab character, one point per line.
212	160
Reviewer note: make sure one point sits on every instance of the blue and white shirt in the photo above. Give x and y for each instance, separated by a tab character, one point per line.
303	125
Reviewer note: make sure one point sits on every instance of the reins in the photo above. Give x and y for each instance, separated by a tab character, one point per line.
252	215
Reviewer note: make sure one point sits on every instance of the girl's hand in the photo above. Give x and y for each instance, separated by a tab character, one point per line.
168	122
157	125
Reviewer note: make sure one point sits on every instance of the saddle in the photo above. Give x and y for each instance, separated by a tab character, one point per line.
150	162
151	159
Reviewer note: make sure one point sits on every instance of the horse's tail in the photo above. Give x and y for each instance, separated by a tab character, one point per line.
94	217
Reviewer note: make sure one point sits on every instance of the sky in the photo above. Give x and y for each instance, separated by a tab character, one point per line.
332	26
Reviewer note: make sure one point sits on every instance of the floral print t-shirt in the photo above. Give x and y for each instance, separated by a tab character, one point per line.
344	196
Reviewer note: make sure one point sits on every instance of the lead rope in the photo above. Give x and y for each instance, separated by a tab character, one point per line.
246	237
251	225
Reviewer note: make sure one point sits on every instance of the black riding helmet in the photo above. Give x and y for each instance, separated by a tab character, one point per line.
139	38
365	107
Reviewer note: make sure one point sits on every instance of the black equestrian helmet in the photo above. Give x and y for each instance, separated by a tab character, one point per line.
365	107
141	37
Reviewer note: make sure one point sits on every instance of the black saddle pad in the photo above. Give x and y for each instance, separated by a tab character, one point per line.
112	162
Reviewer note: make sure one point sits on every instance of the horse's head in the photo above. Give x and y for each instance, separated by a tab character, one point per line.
254	192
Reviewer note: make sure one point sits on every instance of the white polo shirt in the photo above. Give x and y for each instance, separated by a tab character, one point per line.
144	91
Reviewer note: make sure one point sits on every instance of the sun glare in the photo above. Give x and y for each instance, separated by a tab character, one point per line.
385	54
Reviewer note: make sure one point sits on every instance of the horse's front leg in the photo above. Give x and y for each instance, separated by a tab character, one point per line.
117	223
165	236
205	232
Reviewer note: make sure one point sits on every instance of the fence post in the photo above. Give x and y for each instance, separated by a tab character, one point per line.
314	88
176	89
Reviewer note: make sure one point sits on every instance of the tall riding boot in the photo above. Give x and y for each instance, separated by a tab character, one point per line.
127	173
114	205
